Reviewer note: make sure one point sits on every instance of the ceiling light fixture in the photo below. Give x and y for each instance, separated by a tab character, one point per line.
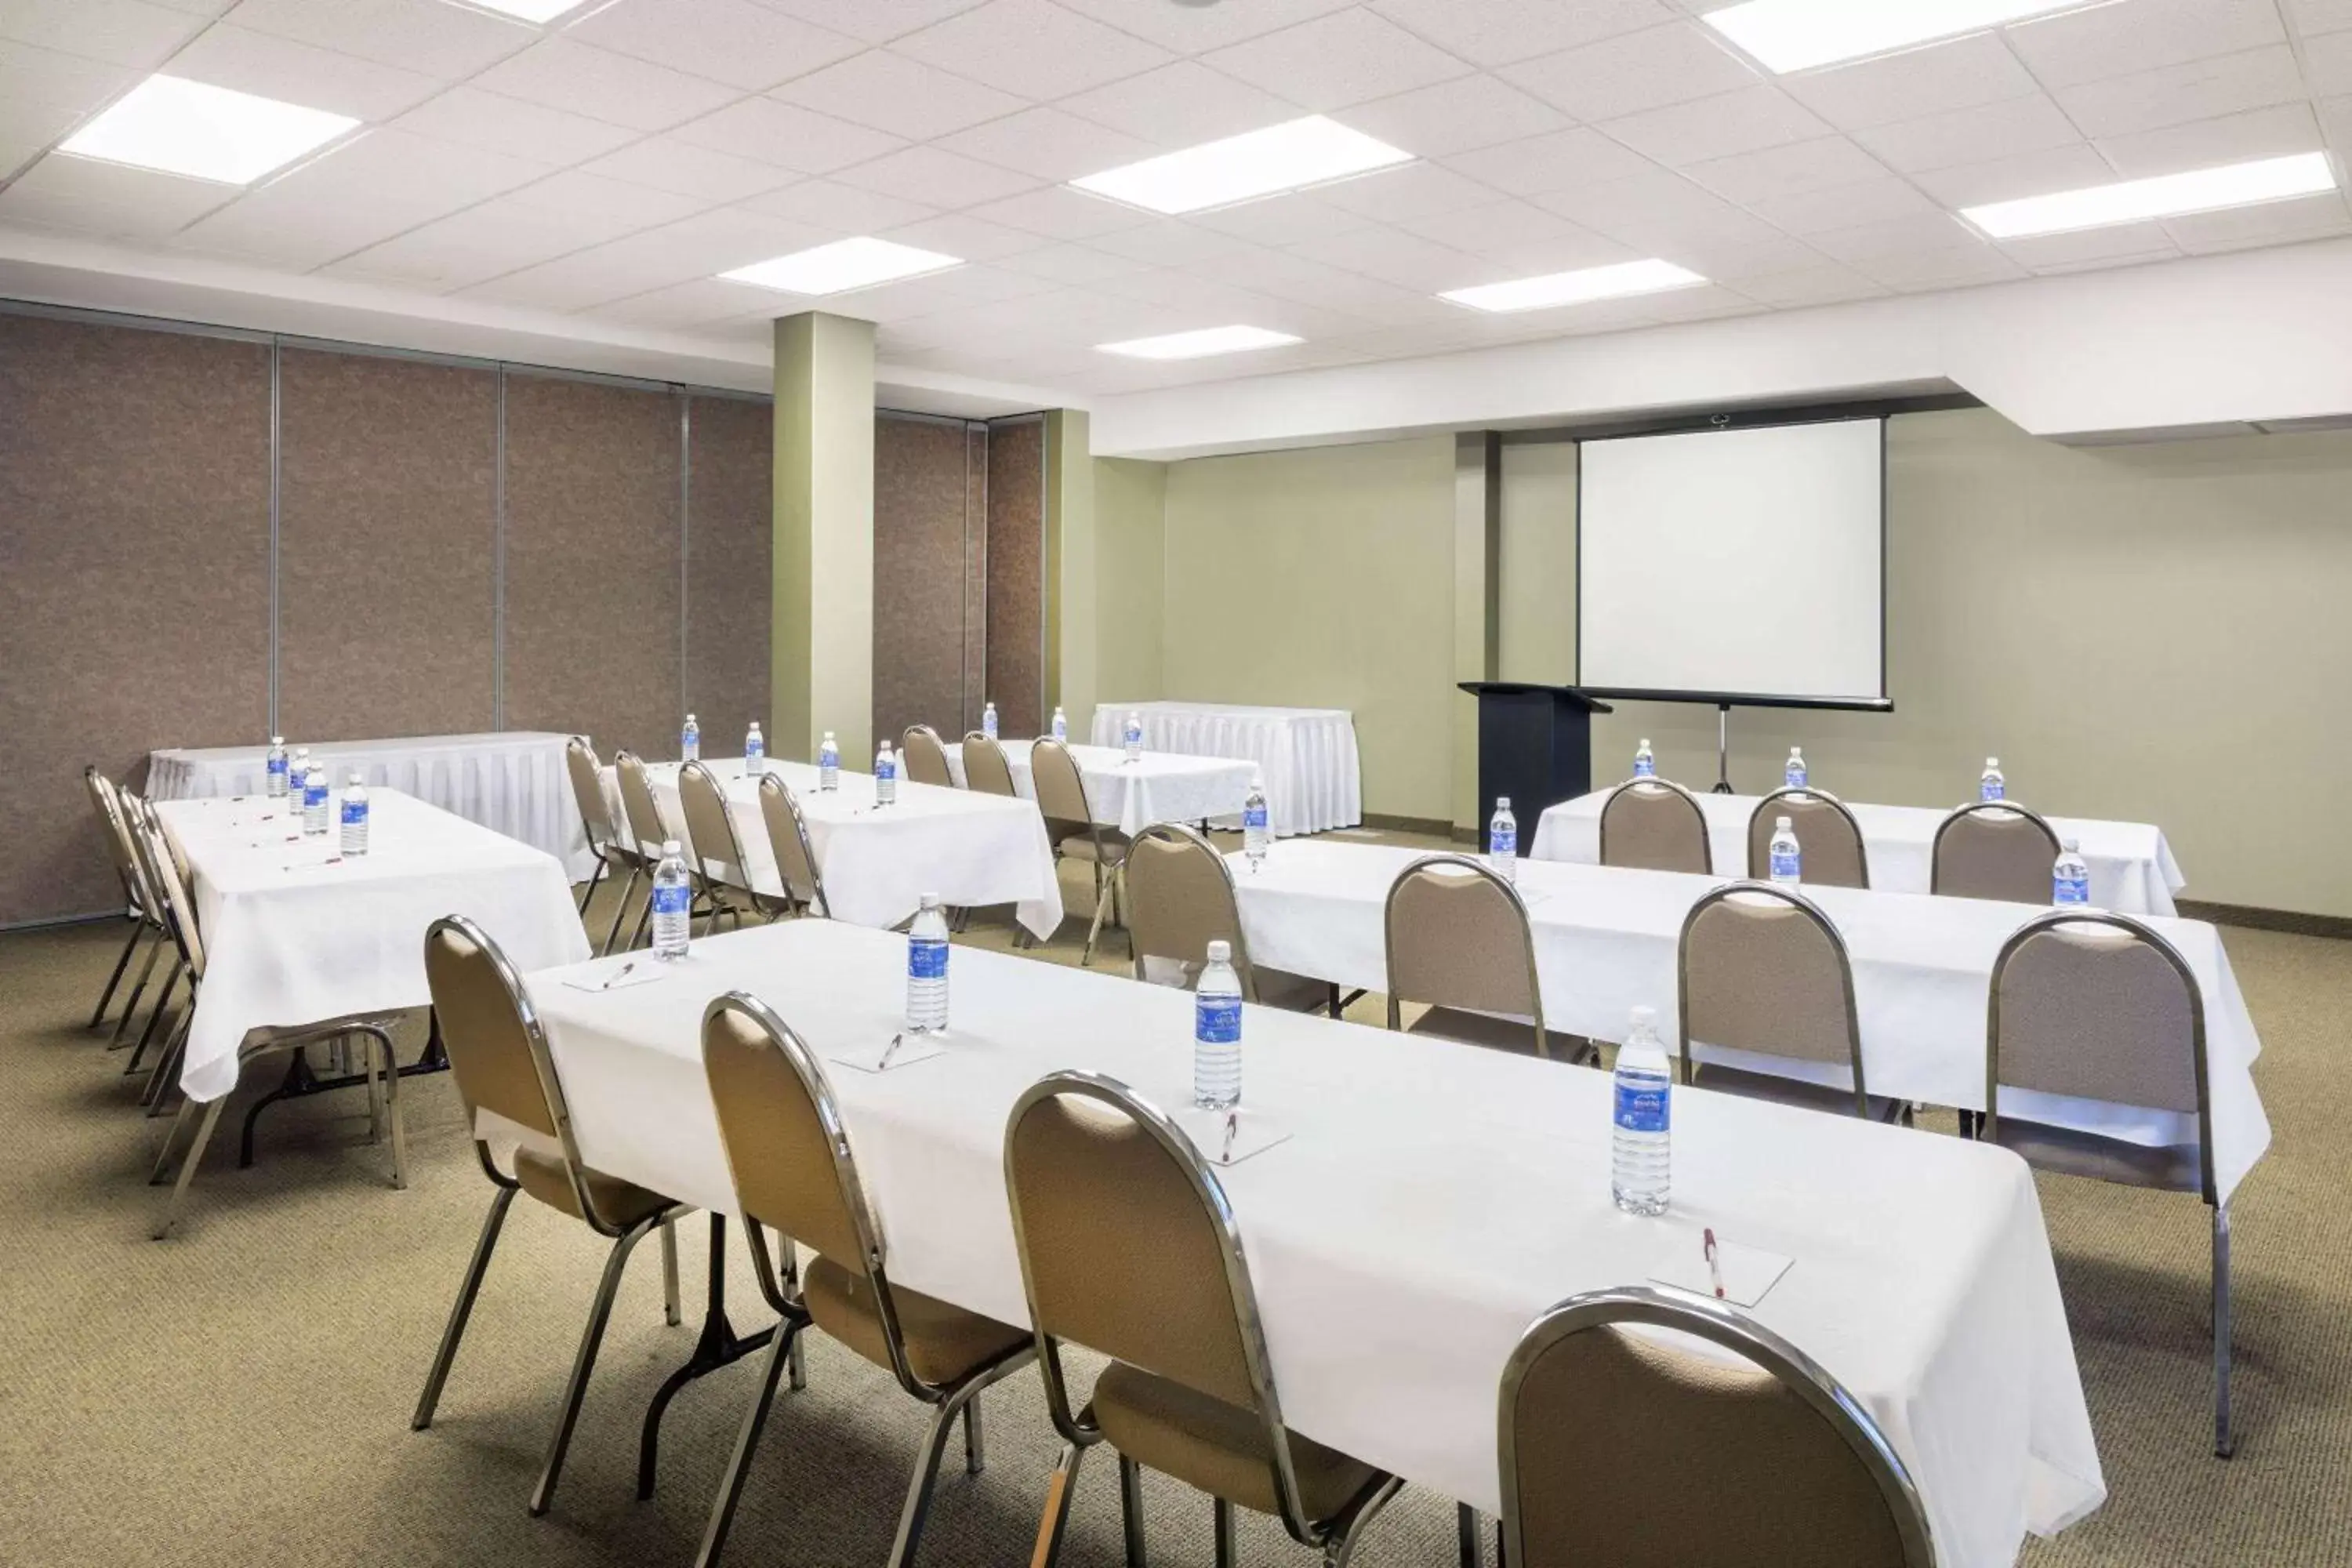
1575	288
2165	196
1197	344
1286	157
523	10
203	131
844	264
1794	35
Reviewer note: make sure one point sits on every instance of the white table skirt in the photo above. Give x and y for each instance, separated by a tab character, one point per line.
295	933
1158	786
1433	1201
511	782
1313	780
2132	868
973	850
1607	940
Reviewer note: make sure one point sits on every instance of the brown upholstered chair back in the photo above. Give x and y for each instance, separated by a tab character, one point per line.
1179	899
1458	937
1657	826
1990	850
788	839
497	1050
1061	791
984	767
1763	970
709	829
1827	836
1774	1465
922	759
638	806
785	1142
587	776
2097	1007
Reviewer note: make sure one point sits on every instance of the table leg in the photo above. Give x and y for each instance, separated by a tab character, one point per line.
301	1081
718	1346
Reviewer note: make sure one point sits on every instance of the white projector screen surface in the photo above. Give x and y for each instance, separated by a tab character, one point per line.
1735	563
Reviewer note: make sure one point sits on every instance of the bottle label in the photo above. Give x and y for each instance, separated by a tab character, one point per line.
988	725
1253	817
1061	728
886	770
1784	865
354	813
1217	1020
751	750
1991	790
1503	840
1794	777
314	795
1646	768
927	959
676	901
1644	1107
2071	890
277	765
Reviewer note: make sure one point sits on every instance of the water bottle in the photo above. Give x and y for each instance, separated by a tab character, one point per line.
755	749
314	801
1990	785
689	741
828	764
885	776
926	969
1134	736
1640	1149
355	816
1645	764
1793	775
1217	1033
987	719
1061	726
275	787
2070	879
1503	841
1257	823
673	903
1787	858
298	770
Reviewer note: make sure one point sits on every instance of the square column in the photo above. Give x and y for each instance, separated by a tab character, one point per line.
822	610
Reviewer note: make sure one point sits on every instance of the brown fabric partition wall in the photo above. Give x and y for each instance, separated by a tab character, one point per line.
1016	578
922	524
730	542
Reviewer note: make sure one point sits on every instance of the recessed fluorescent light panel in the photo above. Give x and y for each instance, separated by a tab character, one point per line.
2166	195
844	264
1575	288
1197	344
523	10
1286	157
1793	35
203	131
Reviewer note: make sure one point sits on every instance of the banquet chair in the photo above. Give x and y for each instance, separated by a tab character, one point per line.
1179	899
1992	849
152	849
136	908
498	1055
1656	826
710	835
612	847
984	767
381	1069
1775	1464
788	841
120	808
1457	939
1071	828
1761	969
641	823
794	1168
1828	838
2100	1006
1129	1248
924	758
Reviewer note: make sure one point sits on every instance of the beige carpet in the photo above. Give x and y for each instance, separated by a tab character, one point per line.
240	1394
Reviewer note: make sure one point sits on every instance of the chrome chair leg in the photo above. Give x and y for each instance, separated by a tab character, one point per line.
589	891
927	1472
1103	889
137	929
462	1308
582	1364
162	1001
1221	1525
165	1073
188	1163
138	988
620	910
2225	1441
1466	1529
781	1351
382	1054
1054	1525
975	1454
1341	1544
670	1313
1131	1508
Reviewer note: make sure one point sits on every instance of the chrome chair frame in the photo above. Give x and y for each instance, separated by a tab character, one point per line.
611	851
143	832
154	919
1527	933
1811	911
815	904
629	776
1106	872
134	909
1983	808
1717	1323
1698	813
1807	792
937	753
714	888
974	740
1335	1537
1194	838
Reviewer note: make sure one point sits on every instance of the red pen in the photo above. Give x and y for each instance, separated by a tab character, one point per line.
1714	1264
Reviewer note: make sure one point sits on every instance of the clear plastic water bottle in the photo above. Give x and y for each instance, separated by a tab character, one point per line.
689	741
1645	762
1990	785
2070	877
1503	841
755	749
1134	736
296	770
1257	823
673	903
987	719
828	764
1061	726
1787	857
314	801
1641	1150
276	765
885	776
355	816
926	969
1793	775
1217	1033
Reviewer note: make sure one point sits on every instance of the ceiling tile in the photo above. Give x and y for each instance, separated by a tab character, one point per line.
564	73
1560	161
2118	40
1498	32
1032	48
425	36
829	205
2327	62
731	41
472	118
297	73
521	228
965	236
1072	263
1923	271
666	163
2174	95
1049	145
937	178
1194	29
1392	255
1921	235
1182	104
1958	75
1409	190
1733	258
1752	118
2313	17
1521	234
904	96
1842	207
1456	116
698	301
1787	171
1655	196
2273	132
1823	285
1626	75
626	205
111	201
2021	175
787	135
1169	242
876	21
1287	275
700	246
115	32
1333	61
44	94
2335	117
1281	220
2275	223
1063	214
1970	135
2049	252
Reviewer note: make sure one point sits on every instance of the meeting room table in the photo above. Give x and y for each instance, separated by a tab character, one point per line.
1408	1205
2132	868
1314	781
1157	787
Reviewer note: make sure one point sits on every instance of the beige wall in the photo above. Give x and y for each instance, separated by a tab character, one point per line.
1131	582
1539	587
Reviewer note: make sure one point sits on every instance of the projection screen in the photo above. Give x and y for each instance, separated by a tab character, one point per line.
1734	565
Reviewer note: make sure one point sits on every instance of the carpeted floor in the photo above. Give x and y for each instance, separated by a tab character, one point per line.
240	1394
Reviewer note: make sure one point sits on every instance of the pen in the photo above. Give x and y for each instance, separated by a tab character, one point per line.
891	1050
1714	1264
617	975
1233	1125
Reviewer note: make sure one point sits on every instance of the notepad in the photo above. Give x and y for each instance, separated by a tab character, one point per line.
1253	1133
639	972
912	1048
1749	1272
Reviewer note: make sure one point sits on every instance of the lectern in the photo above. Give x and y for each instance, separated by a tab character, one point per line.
1535	745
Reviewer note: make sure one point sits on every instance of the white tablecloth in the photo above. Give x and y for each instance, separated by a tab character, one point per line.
1433	1201
1158	786
511	782
1313	780
1606	939
2132	868
295	933
973	850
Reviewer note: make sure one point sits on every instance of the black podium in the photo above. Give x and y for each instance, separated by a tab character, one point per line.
1535	745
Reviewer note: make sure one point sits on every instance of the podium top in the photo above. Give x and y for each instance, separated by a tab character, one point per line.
1568	695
